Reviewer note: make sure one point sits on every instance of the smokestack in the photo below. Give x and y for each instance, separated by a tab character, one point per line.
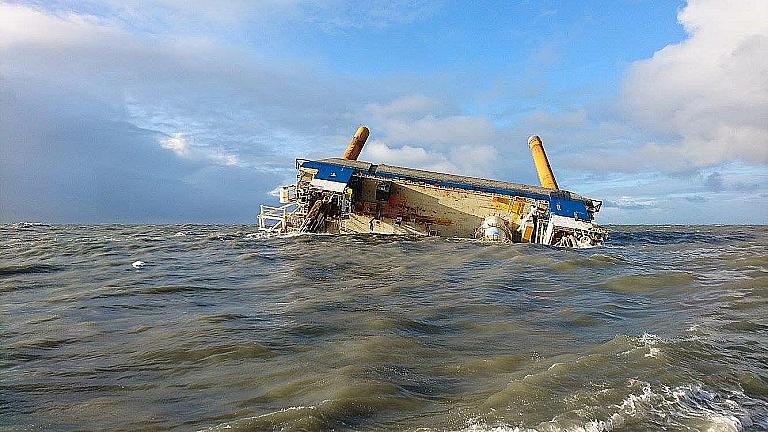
356	145
546	178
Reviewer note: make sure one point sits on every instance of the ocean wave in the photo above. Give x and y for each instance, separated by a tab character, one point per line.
16	269
311	332
684	407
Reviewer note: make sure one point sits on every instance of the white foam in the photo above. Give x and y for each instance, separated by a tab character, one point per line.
682	407
723	423
650	341
653	352
138	264
249	419
265	235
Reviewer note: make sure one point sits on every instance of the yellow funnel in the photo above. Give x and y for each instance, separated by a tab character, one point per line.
546	178
356	145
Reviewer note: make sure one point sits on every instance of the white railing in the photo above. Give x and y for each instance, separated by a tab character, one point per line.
277	215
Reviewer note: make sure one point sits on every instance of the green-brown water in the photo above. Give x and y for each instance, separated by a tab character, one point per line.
667	328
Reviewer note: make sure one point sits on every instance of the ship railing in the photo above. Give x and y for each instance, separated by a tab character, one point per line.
275	219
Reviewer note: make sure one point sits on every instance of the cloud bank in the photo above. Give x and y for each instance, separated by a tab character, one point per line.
98	123
709	93
144	112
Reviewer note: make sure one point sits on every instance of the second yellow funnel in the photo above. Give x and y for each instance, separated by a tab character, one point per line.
546	177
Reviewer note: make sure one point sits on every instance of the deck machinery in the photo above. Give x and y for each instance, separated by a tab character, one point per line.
346	196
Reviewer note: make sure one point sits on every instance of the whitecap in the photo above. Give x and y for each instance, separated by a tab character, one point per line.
688	407
246	420
653	352
650	341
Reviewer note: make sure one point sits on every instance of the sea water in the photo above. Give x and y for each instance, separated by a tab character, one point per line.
665	328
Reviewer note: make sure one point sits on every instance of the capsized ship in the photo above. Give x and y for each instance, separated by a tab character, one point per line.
347	196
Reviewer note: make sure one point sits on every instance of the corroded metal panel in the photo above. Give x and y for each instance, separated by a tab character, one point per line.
445	212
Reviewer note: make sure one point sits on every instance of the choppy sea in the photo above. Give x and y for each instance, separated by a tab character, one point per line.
666	328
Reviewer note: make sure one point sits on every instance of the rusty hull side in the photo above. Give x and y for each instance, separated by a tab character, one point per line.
429	210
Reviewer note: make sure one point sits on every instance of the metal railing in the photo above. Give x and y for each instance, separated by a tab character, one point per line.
278	215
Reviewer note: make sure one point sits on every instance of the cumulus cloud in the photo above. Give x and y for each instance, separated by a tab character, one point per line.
437	120
176	143
424	132
405	106
630	203
408	156
115	107
121	84
708	93
544	120
99	123
192	85
180	145
440	131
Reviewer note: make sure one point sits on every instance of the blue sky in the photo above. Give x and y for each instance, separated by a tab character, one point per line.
193	111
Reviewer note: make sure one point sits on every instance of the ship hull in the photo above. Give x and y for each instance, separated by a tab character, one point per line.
344	197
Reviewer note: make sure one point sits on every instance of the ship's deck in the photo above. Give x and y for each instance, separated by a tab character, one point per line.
452	180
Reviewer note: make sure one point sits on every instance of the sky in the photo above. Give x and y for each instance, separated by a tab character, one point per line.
171	111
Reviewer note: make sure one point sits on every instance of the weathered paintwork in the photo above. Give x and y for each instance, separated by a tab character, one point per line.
345	195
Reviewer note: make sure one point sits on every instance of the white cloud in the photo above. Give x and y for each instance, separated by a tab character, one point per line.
409	156
239	108
180	145
439	131
132	67
540	120
485	160
708	92
631	203
416	104
423	132
406	155
89	105
176	143
479	160
226	159
24	26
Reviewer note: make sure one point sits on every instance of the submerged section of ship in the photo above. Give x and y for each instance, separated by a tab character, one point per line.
347	196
